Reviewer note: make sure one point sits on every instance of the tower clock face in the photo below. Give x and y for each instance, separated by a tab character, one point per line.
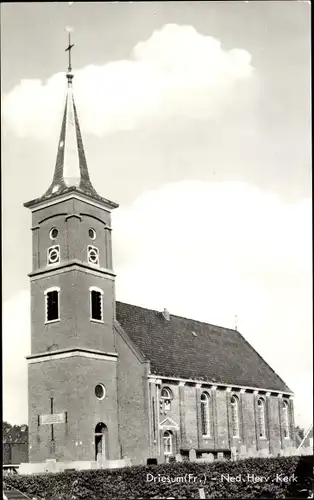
93	255
54	255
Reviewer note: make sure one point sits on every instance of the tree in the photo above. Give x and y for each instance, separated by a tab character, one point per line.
14	433
299	431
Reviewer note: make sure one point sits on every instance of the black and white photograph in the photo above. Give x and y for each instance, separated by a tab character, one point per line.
157	308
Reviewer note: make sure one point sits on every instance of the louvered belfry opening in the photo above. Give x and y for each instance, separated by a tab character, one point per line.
96	298
52	305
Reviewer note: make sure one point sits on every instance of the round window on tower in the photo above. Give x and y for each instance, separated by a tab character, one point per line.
100	391
92	233
53	233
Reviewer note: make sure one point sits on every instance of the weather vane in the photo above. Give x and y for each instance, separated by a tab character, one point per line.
69	48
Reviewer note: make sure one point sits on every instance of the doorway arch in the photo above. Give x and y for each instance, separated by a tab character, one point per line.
101	441
168	444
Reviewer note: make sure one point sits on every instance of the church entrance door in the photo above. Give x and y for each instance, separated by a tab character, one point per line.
101	441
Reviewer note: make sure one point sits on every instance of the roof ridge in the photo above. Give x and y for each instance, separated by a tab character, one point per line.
180	317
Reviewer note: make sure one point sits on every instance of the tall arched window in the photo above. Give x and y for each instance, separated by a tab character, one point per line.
205	420
235	416
166	397
96	304
285	419
52	305
261	418
167	441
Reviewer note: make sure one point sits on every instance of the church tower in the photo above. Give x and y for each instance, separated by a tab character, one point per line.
72	368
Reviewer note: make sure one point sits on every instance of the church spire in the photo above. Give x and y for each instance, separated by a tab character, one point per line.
71	168
71	160
71	172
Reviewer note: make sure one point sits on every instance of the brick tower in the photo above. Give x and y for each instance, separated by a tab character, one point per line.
72	383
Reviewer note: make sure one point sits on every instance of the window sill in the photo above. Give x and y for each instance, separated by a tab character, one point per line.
287	437
264	438
206	436
52	321
96	320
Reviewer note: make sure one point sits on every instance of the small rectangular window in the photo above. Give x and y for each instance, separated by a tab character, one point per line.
96	305
52	305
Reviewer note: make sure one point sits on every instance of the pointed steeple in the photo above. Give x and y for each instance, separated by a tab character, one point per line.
71	172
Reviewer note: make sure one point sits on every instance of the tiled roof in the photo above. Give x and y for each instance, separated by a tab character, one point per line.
186	348
71	142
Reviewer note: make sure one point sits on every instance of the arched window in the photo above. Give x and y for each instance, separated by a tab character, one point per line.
235	416
96	304
205	420
261	418
166	397
52	309
167	441
285	419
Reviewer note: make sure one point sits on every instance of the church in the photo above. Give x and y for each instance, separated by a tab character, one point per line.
109	380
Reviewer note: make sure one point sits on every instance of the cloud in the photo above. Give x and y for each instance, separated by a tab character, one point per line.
16	345
176	72
213	251
206	251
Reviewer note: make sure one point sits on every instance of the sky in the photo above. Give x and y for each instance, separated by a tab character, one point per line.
196	120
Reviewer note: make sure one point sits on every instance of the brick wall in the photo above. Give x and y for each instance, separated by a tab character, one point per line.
190	416
220	419
73	232
132	403
134	435
275	439
249	420
74	328
71	382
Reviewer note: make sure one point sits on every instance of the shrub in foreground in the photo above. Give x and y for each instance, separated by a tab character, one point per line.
280	477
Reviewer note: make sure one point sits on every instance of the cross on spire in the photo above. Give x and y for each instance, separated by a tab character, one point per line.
68	49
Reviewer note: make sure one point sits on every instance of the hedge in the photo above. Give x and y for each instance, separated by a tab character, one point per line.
284	478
